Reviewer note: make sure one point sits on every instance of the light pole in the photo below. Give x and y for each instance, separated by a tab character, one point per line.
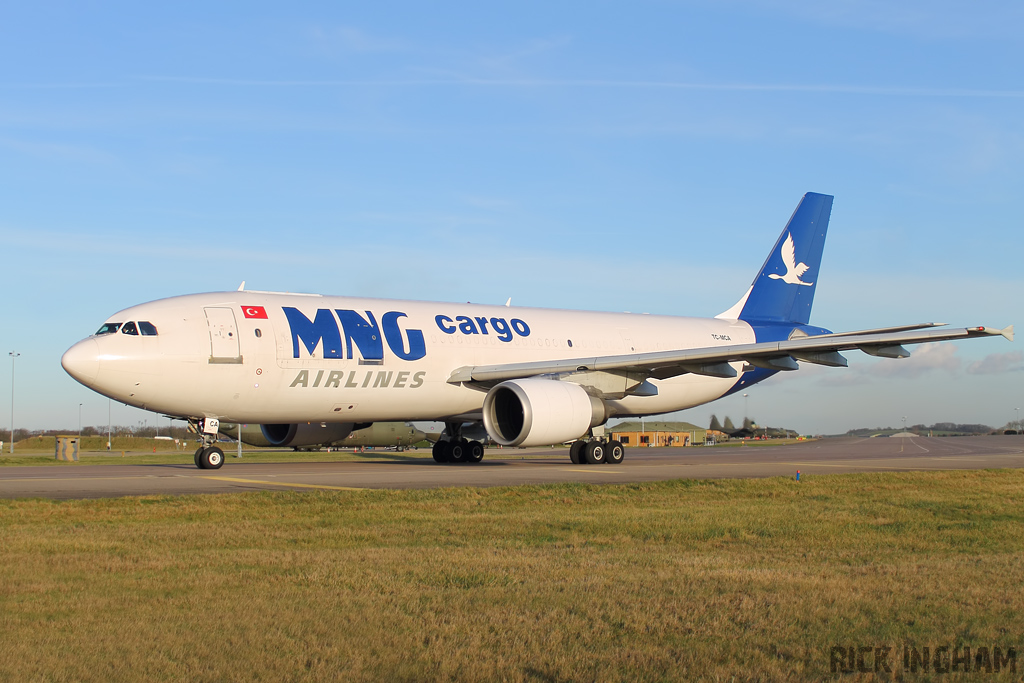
109	401
746	412
79	422
13	355
1018	419
904	423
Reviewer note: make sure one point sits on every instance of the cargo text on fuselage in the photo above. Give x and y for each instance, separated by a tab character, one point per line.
344	333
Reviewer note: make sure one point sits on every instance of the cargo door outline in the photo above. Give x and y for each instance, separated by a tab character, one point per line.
224	347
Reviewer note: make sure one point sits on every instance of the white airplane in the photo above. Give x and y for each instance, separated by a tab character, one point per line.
301	364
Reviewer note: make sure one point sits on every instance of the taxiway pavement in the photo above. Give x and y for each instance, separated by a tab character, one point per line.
513	467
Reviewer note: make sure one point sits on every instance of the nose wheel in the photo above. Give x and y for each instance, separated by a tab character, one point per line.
209	458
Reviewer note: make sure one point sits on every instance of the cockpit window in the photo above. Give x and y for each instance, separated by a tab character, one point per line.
147	328
108	328
129	328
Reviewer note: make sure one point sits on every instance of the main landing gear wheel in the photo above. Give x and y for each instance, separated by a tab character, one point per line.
440	451
594	453
210	458
457	451
614	453
576	452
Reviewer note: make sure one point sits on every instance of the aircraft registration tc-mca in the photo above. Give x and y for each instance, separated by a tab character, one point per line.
303	365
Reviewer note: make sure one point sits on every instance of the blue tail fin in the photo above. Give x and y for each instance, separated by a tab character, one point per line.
784	289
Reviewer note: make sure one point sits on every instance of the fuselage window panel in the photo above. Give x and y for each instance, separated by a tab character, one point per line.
147	328
108	328
129	328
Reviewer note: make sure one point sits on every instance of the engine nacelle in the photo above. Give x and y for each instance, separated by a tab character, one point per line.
540	412
306	434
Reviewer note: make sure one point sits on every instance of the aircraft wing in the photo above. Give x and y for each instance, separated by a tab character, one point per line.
714	360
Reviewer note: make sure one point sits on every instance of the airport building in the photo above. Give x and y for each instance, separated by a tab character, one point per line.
658	434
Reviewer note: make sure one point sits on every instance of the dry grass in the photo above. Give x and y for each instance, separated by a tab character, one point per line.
753	579
45	444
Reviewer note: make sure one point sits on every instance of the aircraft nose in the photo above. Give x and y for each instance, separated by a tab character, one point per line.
82	362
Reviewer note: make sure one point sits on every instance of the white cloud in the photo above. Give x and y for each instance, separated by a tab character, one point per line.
446	78
843	378
936	19
488	203
996	363
508	61
59	152
923	359
351	39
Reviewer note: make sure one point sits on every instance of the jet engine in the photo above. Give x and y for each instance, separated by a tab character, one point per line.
540	412
306	434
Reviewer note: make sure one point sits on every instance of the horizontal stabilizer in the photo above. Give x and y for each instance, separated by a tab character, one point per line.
896	351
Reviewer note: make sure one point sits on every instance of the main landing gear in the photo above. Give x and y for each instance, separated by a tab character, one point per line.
457	449
208	456
596	452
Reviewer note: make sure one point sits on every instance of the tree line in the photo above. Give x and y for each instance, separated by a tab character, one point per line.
940	427
141	432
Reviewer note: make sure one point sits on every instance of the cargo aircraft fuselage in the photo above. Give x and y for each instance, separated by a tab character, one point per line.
298	364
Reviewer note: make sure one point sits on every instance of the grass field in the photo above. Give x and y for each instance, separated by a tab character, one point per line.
45	444
681	580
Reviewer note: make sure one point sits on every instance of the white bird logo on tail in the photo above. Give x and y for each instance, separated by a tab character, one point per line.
793	269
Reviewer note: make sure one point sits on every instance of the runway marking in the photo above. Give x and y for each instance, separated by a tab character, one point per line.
83	478
605	471
968	457
285	483
848	463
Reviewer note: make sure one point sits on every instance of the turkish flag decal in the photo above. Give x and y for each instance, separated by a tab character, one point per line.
254	312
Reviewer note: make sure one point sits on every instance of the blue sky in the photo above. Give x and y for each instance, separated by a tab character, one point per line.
609	156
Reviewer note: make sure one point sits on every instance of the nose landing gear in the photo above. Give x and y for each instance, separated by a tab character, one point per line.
208	456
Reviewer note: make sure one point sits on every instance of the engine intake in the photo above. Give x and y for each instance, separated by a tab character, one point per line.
306	434
540	412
